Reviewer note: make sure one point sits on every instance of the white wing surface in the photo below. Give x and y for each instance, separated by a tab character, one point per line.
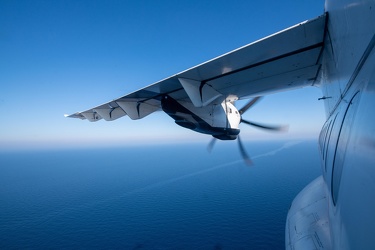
285	60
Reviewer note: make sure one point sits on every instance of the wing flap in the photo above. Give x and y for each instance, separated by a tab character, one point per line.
285	81
254	78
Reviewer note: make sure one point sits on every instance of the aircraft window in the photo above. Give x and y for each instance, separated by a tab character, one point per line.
343	140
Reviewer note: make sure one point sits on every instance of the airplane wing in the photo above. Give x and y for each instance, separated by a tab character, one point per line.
285	60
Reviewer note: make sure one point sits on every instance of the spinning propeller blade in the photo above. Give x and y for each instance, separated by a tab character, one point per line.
259	125
244	154
211	144
249	104
267	127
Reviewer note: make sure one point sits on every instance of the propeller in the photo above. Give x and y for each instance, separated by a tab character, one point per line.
210	146
250	104
267	127
243	152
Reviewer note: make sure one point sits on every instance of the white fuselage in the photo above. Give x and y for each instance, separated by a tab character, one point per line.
347	139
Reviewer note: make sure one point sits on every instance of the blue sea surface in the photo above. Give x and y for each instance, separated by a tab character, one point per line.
152	197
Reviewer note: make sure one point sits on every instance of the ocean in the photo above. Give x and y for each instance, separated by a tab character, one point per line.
152	196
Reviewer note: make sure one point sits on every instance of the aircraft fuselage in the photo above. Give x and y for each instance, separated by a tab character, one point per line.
344	213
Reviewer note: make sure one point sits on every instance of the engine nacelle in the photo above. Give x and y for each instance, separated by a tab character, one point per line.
220	121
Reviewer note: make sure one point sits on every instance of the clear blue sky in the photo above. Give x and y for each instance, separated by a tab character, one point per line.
59	57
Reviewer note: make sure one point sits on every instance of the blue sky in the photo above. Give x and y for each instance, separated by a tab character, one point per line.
59	57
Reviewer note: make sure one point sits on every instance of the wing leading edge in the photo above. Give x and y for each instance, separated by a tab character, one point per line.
285	60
